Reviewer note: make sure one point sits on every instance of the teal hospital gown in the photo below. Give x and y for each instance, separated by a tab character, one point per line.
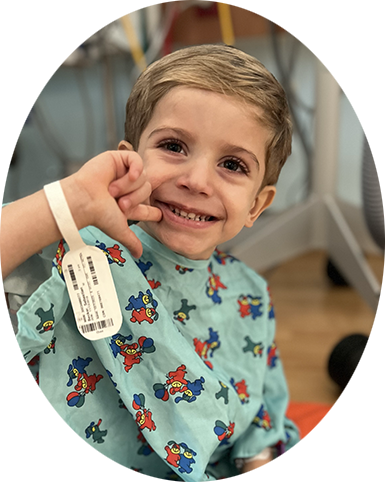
191	382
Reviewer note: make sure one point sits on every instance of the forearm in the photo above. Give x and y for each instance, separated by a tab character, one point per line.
27	226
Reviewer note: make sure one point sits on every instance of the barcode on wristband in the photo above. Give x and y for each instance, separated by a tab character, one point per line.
92	271
97	325
73	277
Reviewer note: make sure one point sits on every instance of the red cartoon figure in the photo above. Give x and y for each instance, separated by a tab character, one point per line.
173	453
244	306
143	416
114	254
206	348
241	389
59	257
143	307
183	269
223	432
213	285
250	306
144	267
85	383
177	380
132	353
175	383
262	419
272	356
222	257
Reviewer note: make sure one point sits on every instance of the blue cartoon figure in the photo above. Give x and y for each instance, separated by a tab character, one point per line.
144	267
180	456
132	353
272	356
186	459
113	253
193	390
255	306
250	306
143	307
262	419
207	347
223	431
177	383
214	284
222	257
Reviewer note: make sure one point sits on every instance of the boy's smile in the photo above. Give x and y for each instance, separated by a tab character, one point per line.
204	155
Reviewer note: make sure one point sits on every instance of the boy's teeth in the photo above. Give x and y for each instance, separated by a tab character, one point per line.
192	216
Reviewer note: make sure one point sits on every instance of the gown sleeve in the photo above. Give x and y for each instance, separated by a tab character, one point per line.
28	329
270	426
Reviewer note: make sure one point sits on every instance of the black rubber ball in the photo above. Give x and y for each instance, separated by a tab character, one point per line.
357	365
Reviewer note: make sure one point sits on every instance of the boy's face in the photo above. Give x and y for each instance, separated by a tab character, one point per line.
204	155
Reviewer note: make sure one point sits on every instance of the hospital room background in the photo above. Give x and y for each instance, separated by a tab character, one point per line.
62	101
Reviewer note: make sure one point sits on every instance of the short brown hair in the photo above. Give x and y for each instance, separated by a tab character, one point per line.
221	69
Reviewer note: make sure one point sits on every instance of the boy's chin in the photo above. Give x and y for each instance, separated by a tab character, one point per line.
183	247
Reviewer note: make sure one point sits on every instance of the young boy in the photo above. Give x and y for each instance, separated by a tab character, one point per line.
192	383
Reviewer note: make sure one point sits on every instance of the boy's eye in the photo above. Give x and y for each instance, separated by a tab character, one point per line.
235	165
171	145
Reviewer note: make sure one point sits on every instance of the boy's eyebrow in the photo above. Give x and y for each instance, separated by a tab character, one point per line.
176	130
235	148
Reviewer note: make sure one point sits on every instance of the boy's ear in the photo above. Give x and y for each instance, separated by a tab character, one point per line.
262	201
125	146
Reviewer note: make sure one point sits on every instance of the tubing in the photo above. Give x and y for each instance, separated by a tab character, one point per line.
373	167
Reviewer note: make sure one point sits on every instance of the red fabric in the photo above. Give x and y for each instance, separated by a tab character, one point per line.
307	415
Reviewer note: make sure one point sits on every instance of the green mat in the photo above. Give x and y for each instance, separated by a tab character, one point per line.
17	417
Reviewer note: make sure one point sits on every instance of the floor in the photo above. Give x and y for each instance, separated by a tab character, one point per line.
312	315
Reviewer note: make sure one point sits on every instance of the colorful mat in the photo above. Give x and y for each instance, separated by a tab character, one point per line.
344	433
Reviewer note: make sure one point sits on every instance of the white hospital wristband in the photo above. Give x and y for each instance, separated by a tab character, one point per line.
86	273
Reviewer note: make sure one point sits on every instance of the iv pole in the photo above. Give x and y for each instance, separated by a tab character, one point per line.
319	222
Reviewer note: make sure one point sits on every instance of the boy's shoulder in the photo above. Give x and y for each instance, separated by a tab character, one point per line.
236	271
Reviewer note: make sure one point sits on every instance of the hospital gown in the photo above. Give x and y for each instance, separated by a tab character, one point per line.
191	382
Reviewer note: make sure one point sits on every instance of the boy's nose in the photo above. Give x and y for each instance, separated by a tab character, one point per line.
197	176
